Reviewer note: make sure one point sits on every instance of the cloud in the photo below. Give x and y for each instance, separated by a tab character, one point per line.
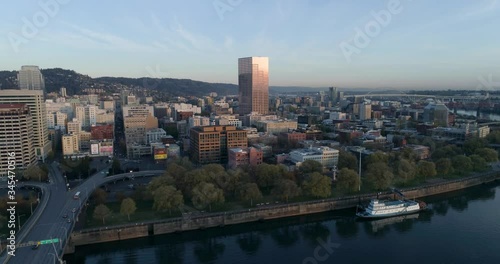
105	40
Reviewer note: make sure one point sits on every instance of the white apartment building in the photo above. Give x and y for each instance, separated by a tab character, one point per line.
328	157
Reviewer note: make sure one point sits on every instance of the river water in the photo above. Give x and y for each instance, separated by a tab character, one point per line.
459	227
482	115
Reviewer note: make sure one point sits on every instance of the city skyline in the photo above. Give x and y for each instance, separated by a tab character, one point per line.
378	44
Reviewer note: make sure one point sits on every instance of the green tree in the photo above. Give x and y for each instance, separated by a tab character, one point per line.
379	175
408	154
167	198
193	178
101	212
478	162
248	192
206	194
347	160
164	180
427	141
377	157
461	164
116	167
100	196
444	166
35	173
317	185
426	169
493	137
310	166
128	207
472	144
286	189
446	152
405	170
266	175
348	180
489	155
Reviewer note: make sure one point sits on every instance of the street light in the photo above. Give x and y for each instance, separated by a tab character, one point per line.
53	256
19	221
65	236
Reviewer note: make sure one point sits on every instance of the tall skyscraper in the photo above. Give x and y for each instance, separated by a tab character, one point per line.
333	95
35	102
16	136
30	78
253	80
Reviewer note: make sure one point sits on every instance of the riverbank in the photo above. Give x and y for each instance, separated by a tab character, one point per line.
114	233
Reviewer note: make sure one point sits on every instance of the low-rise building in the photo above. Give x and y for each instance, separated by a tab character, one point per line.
244	156
328	157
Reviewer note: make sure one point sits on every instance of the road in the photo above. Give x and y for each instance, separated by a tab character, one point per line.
48	221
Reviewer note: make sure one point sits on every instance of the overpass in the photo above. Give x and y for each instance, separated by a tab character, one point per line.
47	222
413	97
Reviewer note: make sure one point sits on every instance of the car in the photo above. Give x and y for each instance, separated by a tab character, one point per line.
73	210
65	216
36	246
69	220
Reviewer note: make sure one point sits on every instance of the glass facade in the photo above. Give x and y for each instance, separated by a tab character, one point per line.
253	80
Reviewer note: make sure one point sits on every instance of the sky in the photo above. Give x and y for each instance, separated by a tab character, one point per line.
405	44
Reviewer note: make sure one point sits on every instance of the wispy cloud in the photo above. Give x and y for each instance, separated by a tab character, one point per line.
103	40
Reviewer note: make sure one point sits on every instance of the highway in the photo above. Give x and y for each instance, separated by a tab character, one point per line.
47	222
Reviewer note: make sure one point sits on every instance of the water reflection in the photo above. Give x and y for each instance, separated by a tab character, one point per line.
249	242
208	250
286	236
347	227
213	245
171	253
312	232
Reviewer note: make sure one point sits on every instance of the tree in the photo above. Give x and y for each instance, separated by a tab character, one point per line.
266	175
317	185
286	189
489	155
444	166
426	169
347	160
164	180
348	180
376	158
310	166
446	152
478	162
248	192
101	212
116	167
35	173
100	196
128	207
461	164
120	196
472	144
405	170
379	175
206	194
493	137
167	198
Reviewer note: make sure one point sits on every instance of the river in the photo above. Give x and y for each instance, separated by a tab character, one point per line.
482	115
459	227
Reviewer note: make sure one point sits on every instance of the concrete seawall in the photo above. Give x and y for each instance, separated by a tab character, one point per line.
91	236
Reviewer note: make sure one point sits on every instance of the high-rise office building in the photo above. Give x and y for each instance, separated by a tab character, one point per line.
333	95
35	102
63	92
253	81
30	78
86	115
16	136
210	144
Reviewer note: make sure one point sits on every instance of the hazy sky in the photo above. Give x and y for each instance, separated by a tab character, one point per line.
424	43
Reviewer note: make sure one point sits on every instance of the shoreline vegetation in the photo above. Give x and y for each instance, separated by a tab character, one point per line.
185	190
